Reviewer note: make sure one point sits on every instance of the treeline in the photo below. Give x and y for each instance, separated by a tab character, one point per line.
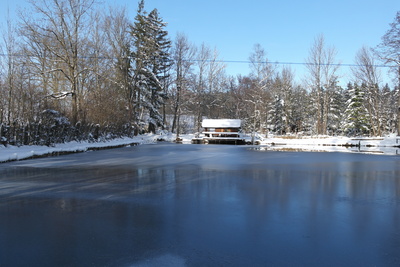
74	71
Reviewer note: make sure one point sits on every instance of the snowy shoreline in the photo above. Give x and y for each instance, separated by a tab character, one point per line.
14	153
377	145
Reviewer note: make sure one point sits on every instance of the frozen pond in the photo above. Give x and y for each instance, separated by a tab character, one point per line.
201	205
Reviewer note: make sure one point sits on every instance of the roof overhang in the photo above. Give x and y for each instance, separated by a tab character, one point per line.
221	123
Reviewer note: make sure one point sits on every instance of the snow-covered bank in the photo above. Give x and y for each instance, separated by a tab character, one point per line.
389	145
12	153
382	145
390	141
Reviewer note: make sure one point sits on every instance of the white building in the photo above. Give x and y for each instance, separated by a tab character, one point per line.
222	131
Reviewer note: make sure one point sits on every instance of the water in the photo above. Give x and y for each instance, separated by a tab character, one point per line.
201	205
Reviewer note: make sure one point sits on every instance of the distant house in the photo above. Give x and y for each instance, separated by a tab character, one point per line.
222	130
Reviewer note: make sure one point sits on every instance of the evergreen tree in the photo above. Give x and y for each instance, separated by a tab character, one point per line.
337	108
387	110
140	37
151	65
277	118
315	110
301	118
161	65
357	120
280	113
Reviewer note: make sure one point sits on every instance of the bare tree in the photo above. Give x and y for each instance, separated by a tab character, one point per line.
209	69
98	93
367	74
321	79
61	27
9	97
259	98
3	99
366	70
116	28
283	87
183	54
203	55
389	52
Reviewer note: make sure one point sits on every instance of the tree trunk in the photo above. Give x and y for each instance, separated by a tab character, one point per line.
176	111
74	104
398	101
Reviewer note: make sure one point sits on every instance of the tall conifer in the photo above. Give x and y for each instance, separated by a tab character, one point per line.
152	62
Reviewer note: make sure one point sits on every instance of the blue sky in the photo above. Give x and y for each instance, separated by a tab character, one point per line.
285	29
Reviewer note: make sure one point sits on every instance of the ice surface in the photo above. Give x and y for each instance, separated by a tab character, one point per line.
166	260
379	145
200	205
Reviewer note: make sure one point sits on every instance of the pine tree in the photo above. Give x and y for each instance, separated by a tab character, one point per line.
315	111
161	64
151	65
138	55
357	119
300	112
277	118
281	108
387	110
337	107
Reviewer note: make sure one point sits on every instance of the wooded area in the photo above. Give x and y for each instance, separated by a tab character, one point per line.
74	71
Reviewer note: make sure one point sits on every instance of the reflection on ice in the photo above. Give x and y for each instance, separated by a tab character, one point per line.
166	260
193	205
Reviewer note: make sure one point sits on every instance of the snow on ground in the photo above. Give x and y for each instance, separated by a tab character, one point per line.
389	145
11	153
380	145
335	141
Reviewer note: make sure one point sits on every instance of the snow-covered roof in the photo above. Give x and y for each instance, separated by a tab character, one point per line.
221	123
